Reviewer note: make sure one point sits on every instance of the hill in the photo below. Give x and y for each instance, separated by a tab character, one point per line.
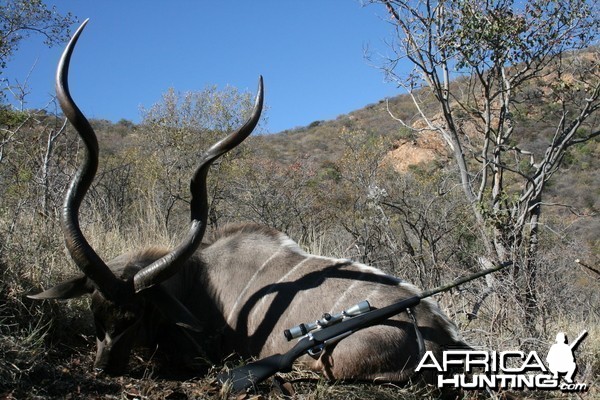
320	145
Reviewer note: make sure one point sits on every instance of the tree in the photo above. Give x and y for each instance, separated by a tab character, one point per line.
288	197
21	18
32	146
176	131
475	63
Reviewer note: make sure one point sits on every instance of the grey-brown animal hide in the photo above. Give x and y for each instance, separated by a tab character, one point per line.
264	283
253	282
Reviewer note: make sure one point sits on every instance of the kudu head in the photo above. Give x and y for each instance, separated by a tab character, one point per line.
122	294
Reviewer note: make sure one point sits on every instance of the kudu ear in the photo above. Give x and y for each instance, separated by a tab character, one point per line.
66	290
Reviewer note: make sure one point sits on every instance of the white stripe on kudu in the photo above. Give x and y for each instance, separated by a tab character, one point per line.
248	285
260	306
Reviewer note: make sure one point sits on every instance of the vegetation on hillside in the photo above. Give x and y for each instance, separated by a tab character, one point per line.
330	186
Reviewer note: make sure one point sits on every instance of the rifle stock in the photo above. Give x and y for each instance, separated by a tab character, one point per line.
246	376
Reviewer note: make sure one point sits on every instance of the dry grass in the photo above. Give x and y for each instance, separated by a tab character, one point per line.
47	349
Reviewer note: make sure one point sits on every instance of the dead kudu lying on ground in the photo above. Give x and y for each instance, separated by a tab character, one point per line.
236	292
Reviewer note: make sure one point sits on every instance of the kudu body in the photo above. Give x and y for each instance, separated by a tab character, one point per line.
238	291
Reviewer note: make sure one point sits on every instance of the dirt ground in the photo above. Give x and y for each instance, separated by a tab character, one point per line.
67	373
73	377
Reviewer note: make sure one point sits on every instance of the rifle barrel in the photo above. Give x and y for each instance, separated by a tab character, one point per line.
463	279
575	342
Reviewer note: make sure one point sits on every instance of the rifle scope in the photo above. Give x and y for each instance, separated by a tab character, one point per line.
326	320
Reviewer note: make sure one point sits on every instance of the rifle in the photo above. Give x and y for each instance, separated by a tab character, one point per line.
328	330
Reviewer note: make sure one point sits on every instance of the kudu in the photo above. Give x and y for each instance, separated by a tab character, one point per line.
237	292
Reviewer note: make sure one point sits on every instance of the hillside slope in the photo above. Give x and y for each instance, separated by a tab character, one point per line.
573	194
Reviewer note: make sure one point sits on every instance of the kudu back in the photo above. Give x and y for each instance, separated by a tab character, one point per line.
237	291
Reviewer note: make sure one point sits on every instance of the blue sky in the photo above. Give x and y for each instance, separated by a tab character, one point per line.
310	52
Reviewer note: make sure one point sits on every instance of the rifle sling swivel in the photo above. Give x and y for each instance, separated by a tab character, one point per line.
420	341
